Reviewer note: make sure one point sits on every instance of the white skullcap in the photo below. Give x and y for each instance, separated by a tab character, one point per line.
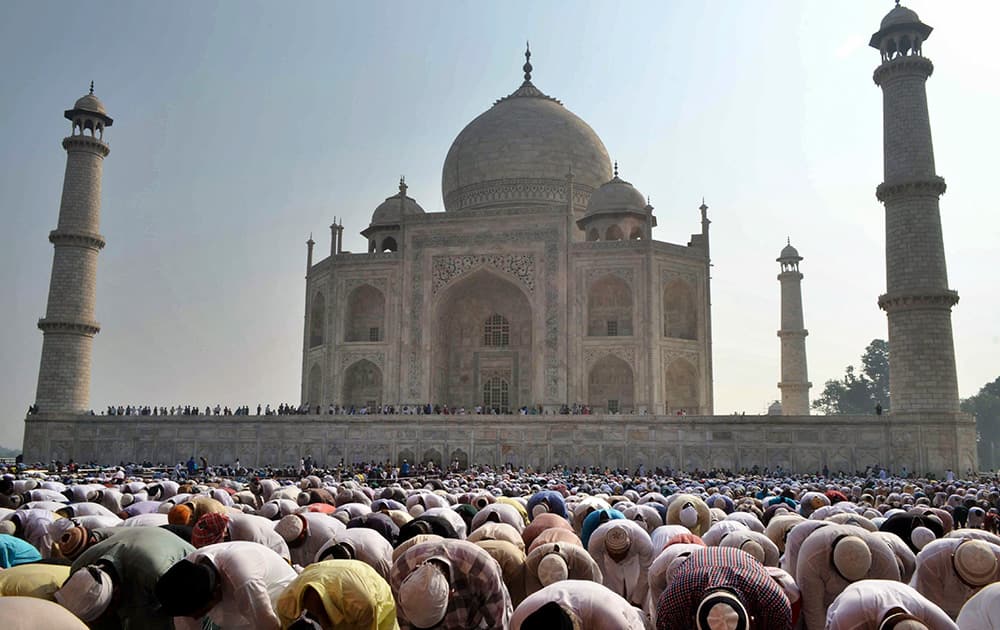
85	596
540	508
852	558
290	527
552	568
423	596
921	536
689	516
7	527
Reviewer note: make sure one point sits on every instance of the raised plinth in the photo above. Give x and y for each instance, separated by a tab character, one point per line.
921	443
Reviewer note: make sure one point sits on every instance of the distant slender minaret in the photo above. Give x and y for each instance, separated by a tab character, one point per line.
69	325
794	383
917	300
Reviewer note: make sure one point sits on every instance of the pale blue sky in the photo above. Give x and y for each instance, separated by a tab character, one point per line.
241	127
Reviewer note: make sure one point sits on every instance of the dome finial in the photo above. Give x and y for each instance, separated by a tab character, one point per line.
91	88
789	238
527	62
402	185
616	168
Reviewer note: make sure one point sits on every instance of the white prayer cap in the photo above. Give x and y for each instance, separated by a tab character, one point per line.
552	568
86	593
423	596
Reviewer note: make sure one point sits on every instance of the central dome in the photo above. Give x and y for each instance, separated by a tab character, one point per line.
519	152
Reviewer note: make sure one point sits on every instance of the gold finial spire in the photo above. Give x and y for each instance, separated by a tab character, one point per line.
616	169
91	88
402	185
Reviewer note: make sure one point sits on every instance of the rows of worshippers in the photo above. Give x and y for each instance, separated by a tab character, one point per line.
498	551
285	409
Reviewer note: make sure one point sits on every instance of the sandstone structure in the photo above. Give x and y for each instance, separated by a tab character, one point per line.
539	285
794	383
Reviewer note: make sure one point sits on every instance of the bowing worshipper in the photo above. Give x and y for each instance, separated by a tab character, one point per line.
915	529
13	550
791	590
833	557
623	551
793	541
33	525
545	502
449	585
982	611
594	520
381	523
691	512
718	588
338	595
584	508
498	531
359	543
306	534
111	584
214	528
646	515
553	562
541	523
233	585
885	604
512	563
33	613
576	605
662	568
33	580
905	558
754	543
951	570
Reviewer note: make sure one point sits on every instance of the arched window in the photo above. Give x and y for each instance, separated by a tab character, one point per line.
680	316
496	332
496	394
389	244
317	317
365	314
609	307
614	233
362	384
635	234
611	385
681	388
593	235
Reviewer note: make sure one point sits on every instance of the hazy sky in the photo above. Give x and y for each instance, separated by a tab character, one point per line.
241	127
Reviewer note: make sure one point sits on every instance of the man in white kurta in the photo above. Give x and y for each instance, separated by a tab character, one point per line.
868	603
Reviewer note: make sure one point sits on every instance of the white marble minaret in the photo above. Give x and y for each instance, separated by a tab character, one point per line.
69	325
794	383
917	300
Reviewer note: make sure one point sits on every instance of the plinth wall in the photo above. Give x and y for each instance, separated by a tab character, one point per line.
921	443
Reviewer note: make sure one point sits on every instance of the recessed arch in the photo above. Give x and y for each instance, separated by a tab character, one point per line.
681	387
389	245
614	233
609	307
680	315
611	385
405	456
432	455
482	327
317	320
362	384
635	234
460	457
593	235
365	314
314	391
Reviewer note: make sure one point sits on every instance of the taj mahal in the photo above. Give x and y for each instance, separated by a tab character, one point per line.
538	287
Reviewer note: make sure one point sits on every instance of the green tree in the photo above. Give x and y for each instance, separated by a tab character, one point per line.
859	393
985	406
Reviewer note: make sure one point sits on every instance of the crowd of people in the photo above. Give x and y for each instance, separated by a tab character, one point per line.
420	547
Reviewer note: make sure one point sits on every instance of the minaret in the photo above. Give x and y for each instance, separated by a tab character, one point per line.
794	383
69	326
917	300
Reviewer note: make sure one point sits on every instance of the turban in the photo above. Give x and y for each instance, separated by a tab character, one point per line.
87	593
210	529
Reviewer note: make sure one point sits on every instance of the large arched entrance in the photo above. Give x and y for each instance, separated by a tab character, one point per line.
362	385
365	314
680	316
611	386
481	354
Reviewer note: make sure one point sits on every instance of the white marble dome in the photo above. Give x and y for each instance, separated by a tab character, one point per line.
90	103
519	152
393	208
899	15
616	196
